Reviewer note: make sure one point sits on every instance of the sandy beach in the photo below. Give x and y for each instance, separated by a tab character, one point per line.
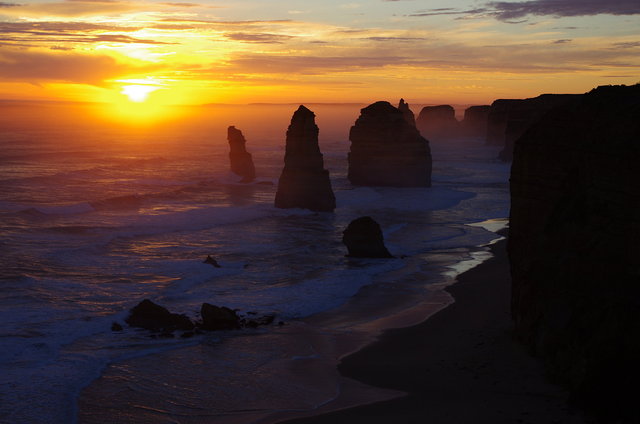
459	366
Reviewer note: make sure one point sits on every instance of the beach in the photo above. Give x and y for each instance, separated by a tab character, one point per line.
459	366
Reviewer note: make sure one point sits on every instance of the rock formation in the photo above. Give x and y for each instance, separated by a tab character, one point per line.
406	112
240	159
304	183
573	246
497	120
363	238
218	318
475	121
154	317
523	114
386	150
438	122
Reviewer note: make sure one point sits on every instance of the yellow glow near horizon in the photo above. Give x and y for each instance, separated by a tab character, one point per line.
138	93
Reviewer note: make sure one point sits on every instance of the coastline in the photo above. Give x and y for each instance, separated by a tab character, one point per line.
458	366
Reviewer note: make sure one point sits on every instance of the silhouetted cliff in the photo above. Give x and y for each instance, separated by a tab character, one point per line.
240	159
438	122
386	150
573	246
497	120
304	183
475	121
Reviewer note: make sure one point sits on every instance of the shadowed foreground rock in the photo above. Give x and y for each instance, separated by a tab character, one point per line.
241	160
363	238
218	318
304	183
387	150
573	247
151	316
438	122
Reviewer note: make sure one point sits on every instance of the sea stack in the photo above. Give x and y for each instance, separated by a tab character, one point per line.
438	122
406	112
304	183
240	159
573	247
387	150
363	238
475	121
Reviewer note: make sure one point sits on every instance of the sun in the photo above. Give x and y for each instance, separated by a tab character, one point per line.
138	93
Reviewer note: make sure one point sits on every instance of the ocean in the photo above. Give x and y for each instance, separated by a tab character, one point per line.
98	214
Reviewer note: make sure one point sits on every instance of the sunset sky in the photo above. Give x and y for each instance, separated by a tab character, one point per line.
242	51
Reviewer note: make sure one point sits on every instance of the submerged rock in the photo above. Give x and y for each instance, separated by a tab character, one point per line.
363	238
211	261
573	247
241	160
387	150
304	183
151	316
438	122
218	318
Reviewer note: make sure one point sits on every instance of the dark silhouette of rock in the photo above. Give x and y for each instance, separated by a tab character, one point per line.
304	183
211	261
154	317
497	120
438	122
218	318
406	112
386	150
573	247
523	114
363	238
116	327
475	121
240	159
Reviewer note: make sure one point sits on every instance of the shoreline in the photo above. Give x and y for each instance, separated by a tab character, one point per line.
459	365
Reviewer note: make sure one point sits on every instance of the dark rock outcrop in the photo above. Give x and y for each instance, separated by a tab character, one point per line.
573	247
387	150
211	262
218	318
475	121
438	122
497	120
151	316
363	238
240	159
407	112
304	183
523	114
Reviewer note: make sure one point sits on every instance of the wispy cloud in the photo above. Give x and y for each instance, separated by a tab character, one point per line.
262	38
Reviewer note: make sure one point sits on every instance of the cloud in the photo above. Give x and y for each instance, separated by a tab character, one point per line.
262	38
38	67
508	11
76	8
3	4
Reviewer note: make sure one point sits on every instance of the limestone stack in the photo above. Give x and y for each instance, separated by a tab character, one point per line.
387	150
438	122
475	121
241	160
304	183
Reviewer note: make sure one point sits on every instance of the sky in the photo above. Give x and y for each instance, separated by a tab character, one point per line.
248	51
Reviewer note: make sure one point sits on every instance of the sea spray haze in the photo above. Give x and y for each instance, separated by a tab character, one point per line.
96	215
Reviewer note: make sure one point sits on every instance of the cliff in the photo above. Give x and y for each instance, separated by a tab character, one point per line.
304	183
438	122
386	150
497	120
573	246
240	160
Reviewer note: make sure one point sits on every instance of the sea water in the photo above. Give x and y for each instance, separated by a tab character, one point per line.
96	216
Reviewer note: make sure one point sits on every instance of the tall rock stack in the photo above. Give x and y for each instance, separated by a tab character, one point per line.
240	159
304	183
438	122
573	246
475	121
386	150
406	112
497	120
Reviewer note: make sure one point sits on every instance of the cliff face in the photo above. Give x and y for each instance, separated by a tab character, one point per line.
475	121
573	246
497	120
438	122
240	159
523	114
386	150
304	183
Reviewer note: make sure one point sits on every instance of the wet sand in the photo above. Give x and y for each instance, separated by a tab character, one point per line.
459	366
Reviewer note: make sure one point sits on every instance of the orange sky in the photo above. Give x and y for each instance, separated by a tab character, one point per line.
455	51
